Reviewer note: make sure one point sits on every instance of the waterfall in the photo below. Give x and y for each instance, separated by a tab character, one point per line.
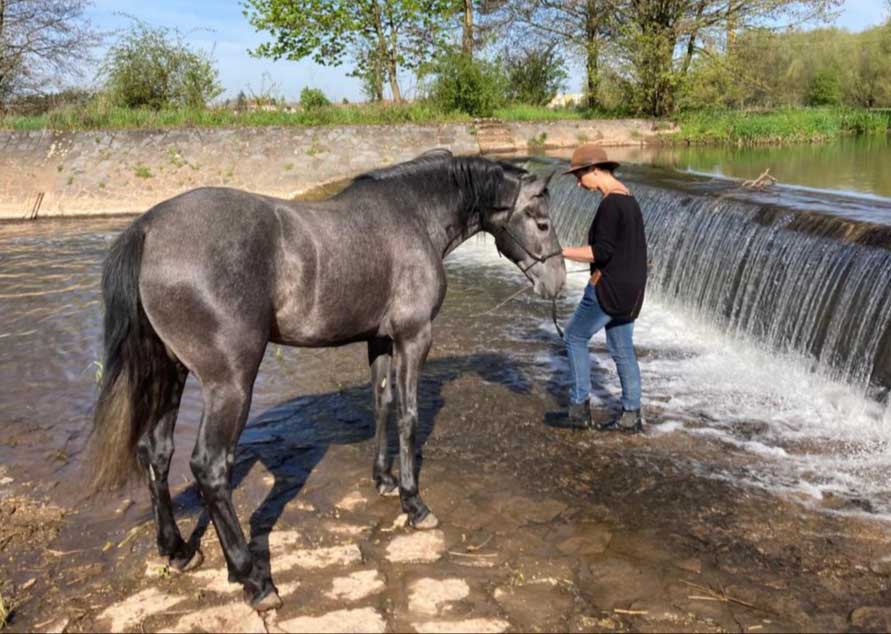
802	283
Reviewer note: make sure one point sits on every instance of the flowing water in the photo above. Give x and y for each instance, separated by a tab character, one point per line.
766	331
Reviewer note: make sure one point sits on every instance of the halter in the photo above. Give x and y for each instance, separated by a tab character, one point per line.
536	259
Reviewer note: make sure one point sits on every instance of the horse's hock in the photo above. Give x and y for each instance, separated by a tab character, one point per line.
128	171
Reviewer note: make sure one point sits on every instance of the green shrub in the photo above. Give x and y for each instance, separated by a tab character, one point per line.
313	99
152	67
535	76
464	84
825	88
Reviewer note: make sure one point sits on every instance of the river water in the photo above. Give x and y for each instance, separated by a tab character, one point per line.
793	418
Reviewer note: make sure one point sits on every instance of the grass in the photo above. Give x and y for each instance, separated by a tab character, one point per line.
97	116
4	613
141	171
523	112
779	126
788	125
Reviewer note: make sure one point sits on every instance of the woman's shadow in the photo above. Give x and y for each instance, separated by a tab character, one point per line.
291	438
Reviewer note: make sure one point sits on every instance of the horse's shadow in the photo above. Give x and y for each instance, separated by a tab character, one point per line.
291	438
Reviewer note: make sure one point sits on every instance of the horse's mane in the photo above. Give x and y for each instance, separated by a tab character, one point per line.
479	180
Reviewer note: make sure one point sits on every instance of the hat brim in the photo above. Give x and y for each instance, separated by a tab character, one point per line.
610	165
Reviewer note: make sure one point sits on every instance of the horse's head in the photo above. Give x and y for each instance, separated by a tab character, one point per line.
523	231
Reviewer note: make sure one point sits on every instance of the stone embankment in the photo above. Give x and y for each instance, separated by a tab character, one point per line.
53	173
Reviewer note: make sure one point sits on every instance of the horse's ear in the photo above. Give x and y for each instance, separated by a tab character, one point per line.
538	185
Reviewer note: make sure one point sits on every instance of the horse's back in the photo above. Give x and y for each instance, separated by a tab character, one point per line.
206	275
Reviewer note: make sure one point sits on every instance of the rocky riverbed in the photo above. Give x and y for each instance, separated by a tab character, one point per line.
542	529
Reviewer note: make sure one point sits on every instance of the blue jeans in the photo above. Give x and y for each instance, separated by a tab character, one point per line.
587	320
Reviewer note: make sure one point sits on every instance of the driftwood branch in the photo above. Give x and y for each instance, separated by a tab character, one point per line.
762	182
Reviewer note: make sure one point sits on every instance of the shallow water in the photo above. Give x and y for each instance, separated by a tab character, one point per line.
782	426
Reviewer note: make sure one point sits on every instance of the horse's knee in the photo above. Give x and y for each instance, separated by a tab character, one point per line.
210	470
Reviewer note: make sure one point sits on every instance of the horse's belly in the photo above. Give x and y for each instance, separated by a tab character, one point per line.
328	322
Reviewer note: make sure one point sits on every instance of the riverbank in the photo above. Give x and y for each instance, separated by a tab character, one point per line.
784	126
57	173
542	529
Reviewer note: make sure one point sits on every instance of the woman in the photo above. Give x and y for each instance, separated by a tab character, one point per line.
617	253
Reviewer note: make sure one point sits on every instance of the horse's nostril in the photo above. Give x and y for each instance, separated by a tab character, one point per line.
543	226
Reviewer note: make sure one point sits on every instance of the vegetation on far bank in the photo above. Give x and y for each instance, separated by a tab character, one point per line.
787	125
745	85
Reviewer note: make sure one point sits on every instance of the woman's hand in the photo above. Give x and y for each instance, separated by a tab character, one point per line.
579	254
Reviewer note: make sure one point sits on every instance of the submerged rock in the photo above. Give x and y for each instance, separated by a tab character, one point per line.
420	547
432	596
872	619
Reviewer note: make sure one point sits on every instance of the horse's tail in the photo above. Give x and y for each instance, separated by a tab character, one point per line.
137	376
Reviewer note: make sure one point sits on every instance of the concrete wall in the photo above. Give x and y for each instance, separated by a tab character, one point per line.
125	171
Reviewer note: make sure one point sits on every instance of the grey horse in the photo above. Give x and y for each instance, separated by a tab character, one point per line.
202	282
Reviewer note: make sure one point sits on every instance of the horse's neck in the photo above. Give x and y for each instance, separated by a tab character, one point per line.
448	227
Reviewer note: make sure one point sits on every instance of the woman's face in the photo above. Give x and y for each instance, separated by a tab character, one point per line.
589	179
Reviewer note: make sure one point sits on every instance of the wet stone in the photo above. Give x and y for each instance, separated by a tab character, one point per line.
872	619
881	566
313	558
541	605
129	613
351	501
526	510
358	620
483	626
613	582
356	586
432	596
592	542
417	547
690	565
233	617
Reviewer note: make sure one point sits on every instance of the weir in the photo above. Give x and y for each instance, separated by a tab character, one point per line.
767	267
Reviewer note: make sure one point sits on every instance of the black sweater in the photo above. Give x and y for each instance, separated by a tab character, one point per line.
620	254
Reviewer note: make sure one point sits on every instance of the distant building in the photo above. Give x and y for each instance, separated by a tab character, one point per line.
567	100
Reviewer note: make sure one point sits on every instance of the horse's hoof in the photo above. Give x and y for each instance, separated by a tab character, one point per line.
429	522
179	566
387	490
269	602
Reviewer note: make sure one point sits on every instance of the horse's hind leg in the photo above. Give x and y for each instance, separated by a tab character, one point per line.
226	406
380	355
155	450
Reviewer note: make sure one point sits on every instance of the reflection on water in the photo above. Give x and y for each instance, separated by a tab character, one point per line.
860	164
856	164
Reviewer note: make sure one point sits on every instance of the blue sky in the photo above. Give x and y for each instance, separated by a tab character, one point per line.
220	28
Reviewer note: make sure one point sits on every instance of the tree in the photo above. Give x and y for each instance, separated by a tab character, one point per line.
464	84
381	36
652	34
41	42
153	67
535	75
576	26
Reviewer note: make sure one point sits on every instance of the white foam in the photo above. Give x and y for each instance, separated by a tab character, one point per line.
812	434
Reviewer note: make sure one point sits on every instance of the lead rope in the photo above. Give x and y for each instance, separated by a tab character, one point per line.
554	317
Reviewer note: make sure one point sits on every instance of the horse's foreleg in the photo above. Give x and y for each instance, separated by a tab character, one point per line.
226	407
155	449
380	355
411	352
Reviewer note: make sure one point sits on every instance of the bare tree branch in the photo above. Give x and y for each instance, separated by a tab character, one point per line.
42	42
